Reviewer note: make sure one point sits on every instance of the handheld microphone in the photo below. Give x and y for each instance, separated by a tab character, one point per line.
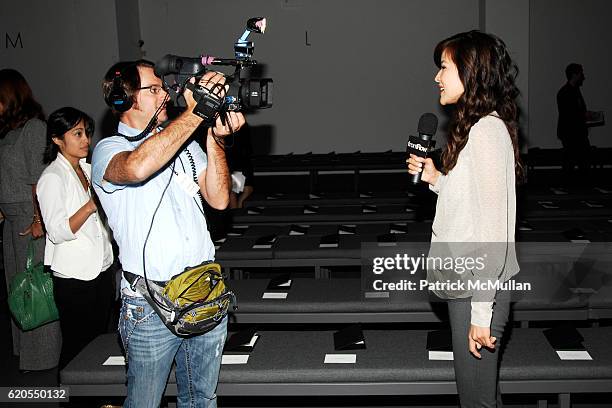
420	145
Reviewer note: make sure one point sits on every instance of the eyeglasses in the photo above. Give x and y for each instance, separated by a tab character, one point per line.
154	89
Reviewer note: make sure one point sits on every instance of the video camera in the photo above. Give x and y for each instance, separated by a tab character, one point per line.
243	93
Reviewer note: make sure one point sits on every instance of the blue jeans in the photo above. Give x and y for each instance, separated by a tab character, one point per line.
150	349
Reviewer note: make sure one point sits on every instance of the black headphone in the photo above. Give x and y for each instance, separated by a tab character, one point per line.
118	98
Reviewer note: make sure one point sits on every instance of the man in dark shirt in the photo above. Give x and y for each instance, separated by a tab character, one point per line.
571	126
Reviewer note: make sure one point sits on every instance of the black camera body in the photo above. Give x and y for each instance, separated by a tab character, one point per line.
242	93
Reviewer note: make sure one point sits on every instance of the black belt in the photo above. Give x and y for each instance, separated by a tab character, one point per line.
132	277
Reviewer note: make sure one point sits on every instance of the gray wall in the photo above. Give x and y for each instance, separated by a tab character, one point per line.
564	31
360	84
67	47
509	19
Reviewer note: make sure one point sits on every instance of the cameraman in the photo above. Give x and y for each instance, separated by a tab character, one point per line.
132	179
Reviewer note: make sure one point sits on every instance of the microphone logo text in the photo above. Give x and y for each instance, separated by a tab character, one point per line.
417	146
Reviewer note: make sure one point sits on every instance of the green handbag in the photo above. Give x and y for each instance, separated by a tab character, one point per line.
30	296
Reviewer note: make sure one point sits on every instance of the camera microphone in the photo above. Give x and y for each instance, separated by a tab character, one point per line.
173	64
421	144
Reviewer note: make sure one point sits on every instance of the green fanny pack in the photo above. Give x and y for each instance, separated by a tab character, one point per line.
192	302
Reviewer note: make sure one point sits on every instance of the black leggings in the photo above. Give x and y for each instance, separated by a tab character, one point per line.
84	308
477	380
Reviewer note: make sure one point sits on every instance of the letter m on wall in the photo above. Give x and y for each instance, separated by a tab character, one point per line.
14	43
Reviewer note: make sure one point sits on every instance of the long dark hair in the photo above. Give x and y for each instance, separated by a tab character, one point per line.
60	122
18	103
488	76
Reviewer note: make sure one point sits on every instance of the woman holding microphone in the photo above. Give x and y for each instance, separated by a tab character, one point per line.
476	199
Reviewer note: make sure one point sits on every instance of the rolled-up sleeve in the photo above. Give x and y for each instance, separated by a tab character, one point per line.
104	152
199	158
51	192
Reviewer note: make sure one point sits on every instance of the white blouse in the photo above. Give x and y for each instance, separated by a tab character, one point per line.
477	203
81	255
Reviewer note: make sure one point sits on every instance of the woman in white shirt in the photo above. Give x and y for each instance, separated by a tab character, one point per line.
476	208
77	248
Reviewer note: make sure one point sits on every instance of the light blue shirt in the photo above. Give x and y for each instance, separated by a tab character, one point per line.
179	236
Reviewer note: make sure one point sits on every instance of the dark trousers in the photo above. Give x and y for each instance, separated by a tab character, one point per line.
477	379
84	308
576	151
